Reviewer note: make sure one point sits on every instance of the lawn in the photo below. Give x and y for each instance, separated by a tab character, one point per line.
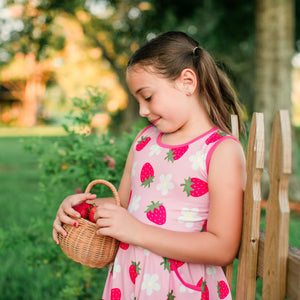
33	267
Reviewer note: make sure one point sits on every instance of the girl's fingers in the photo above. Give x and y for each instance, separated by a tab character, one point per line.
55	236
103	222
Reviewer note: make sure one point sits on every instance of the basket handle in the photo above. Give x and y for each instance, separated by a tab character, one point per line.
108	184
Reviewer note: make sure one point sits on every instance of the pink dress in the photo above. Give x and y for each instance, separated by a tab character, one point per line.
168	189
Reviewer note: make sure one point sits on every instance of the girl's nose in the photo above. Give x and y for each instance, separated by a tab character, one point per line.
144	109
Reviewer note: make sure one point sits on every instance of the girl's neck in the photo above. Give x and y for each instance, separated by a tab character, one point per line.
188	132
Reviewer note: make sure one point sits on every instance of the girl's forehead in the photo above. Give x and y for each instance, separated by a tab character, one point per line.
141	69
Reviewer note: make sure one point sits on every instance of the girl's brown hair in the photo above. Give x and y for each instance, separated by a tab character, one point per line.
173	51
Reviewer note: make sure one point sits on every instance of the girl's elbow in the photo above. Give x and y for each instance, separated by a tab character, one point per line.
227	259
227	256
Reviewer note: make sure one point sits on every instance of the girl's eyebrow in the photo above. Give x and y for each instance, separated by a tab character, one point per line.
139	90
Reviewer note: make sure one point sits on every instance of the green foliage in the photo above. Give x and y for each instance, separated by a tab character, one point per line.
33	266
72	161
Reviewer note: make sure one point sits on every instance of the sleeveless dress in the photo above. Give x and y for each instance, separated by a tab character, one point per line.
168	189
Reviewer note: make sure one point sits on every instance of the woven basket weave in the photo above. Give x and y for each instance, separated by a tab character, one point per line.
83	245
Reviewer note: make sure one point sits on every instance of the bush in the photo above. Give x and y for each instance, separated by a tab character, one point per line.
69	163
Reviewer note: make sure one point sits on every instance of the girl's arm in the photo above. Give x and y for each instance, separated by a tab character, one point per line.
217	246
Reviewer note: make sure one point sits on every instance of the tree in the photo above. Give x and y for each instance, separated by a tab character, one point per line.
274	51
120	27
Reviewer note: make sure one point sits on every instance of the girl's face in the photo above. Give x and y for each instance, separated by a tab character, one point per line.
163	102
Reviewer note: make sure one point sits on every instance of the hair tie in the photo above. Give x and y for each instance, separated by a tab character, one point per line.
196	50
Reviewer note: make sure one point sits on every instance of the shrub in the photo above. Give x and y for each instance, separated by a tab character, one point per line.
68	164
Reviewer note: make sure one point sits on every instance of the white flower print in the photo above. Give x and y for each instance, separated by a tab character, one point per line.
165	184
154	149
116	268
198	160
189	216
183	289
134	203
150	283
146	251
133	168
211	270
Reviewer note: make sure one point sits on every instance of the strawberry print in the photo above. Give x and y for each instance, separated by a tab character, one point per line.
156	213
194	187
223	289
147	175
204	227
170	296
124	246
134	271
214	137
171	264
176	153
115	294
204	289
141	144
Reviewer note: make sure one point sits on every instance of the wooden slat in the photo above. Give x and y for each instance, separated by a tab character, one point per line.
277	216
246	281
235	126
228	270
293	274
293	268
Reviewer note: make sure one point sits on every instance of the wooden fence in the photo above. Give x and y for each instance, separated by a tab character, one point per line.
267	254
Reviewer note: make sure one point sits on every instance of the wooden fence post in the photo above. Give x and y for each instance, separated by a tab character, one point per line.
277	215
246	280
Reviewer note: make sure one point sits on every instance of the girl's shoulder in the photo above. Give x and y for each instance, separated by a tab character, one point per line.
223	146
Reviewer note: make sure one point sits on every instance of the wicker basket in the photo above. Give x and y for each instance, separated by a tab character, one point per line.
83	245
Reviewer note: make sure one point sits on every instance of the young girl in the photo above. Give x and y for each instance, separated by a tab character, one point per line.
182	187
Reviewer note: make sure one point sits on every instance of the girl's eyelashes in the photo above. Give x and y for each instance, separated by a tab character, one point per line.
148	98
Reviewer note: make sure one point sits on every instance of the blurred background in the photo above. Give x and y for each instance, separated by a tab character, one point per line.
62	67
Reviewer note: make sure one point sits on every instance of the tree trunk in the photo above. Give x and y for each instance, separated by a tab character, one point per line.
34	89
274	50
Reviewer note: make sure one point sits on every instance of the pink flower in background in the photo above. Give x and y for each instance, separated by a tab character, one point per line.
78	191
110	160
106	158
112	163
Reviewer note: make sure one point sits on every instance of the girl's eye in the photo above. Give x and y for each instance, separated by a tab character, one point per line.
148	98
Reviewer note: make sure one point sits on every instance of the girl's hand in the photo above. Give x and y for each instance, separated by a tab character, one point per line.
115	221
67	215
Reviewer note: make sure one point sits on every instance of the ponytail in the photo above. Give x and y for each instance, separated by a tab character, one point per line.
216	92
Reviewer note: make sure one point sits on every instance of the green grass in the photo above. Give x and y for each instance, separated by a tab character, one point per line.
32	266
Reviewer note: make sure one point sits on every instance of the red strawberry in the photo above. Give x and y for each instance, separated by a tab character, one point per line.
142	143
223	289
124	246
134	271
195	187
147	175
91	214
214	137
204	226
171	264
115	294
83	209
170	296
156	213
176	153
204	289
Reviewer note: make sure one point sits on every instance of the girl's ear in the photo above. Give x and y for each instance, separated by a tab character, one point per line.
187	81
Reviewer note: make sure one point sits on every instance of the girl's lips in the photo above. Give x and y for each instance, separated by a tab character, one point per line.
154	121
